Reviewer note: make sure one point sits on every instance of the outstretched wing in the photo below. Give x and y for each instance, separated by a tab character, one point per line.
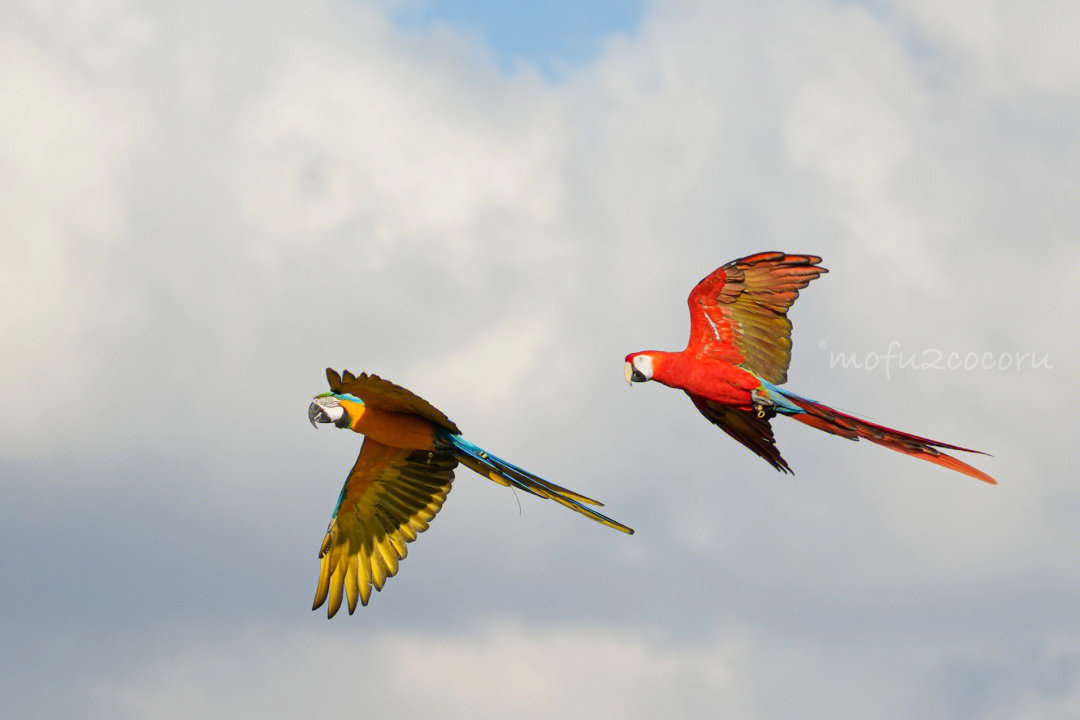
738	314
389	497
385	395
745	426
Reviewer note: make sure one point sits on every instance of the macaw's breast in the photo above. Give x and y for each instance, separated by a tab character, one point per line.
722	382
400	430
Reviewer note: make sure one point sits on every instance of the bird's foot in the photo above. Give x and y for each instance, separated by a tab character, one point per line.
441	445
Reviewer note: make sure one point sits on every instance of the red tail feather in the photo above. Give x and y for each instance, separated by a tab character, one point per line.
832	421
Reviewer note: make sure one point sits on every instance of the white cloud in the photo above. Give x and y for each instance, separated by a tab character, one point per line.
505	668
373	134
65	149
1008	47
507	361
500	669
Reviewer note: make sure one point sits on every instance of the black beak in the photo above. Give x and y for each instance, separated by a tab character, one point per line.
315	415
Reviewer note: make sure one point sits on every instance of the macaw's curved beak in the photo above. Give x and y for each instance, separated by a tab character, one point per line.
323	412
633	375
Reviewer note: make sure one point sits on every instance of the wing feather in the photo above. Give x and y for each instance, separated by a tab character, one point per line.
745	426
385	395
389	497
738	313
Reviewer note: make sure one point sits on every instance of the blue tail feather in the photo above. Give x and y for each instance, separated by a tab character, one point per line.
779	399
524	480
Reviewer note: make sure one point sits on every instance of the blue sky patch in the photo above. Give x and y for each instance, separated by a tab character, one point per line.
554	36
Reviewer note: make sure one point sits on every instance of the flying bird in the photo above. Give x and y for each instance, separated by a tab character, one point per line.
399	482
738	355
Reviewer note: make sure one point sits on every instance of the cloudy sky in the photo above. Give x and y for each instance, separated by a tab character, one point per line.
201	209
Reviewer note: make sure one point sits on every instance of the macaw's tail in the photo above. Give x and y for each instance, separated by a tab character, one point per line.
487	465
832	421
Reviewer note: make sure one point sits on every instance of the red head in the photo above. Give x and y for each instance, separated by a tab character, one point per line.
639	367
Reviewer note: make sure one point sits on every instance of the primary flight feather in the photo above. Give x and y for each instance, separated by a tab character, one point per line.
399	482
738	355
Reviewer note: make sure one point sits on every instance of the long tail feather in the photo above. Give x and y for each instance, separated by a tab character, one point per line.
833	421
495	468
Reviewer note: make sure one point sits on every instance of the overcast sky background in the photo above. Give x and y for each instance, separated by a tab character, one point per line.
202	208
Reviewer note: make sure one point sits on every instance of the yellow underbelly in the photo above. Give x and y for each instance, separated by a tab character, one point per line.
400	430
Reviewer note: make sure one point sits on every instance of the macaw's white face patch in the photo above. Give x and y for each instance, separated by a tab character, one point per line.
643	364
638	369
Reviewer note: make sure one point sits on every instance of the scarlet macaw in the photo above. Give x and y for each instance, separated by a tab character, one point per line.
399	482
739	351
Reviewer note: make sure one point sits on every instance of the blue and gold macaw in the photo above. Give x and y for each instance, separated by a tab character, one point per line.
399	482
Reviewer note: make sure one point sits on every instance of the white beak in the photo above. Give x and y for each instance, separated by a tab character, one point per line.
628	372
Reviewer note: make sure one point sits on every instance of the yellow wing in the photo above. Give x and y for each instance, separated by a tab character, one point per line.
385	395
389	497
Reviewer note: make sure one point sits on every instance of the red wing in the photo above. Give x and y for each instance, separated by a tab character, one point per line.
745	426
738	314
385	395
